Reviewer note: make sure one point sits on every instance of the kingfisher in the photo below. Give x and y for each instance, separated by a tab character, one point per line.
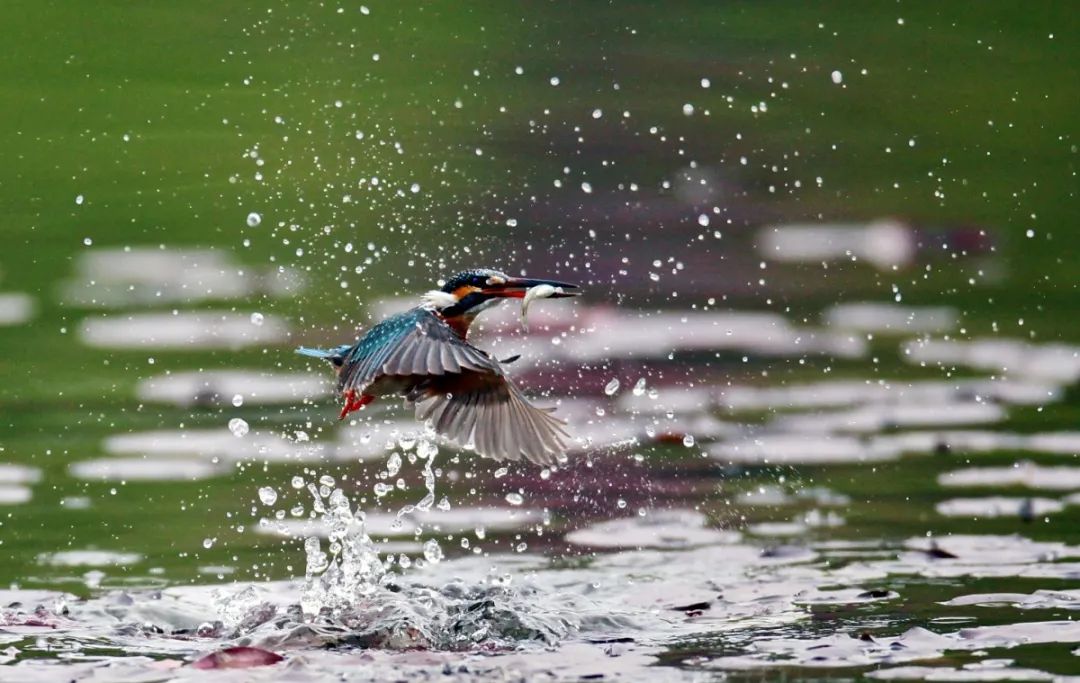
462	391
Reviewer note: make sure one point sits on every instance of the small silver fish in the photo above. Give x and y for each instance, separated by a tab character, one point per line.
533	293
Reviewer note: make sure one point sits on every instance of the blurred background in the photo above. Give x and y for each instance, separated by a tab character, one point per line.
813	237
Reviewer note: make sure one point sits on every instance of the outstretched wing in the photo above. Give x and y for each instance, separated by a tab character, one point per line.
486	411
458	387
416	342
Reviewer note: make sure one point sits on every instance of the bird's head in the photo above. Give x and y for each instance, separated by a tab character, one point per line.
472	291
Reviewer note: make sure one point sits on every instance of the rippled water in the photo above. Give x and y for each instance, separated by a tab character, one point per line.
822	384
697	530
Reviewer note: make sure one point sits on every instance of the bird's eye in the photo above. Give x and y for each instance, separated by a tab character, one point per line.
496	280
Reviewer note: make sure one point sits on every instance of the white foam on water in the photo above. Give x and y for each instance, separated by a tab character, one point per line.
218	387
998	506
1062	443
11	494
875	418
884	243
792	528
658	529
181	331
16	308
798	449
89	558
144	469
768	495
115	278
1013	357
844	596
1027	474
842	650
669	399
11	473
889	318
605	335
968	672
219	443
841	393
528	616
1039	599
467	519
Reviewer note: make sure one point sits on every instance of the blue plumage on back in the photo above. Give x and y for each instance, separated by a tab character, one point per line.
384	336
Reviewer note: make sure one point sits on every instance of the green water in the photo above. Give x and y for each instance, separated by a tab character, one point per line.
147	111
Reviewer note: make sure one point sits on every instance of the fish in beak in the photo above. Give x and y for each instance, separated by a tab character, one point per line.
529	290
518	287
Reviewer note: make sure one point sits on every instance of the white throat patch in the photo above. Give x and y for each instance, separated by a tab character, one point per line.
438	299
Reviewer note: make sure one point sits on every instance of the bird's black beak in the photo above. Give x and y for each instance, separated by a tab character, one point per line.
515	288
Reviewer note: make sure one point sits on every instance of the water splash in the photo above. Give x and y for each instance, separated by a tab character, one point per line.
336	580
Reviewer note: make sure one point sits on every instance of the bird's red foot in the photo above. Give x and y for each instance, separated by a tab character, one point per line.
354	402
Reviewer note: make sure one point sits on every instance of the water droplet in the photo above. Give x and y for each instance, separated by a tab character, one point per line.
837	77
393	464
267	495
597	113
238	426
705	83
298	482
426	449
257	318
238	400
688	109
208	543
87	241
253	220
515	498
501	472
79	199
688	441
432	552
554	80
639	387
703	220
586	188
611	387
381	489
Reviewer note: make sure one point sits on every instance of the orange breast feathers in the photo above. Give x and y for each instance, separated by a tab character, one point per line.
460	324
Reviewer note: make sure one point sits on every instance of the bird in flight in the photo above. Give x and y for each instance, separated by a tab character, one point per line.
462	391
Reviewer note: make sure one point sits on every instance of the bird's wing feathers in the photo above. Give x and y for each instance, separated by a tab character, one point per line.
413	343
463	393
490	413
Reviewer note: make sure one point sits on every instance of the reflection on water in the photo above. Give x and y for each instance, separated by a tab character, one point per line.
508	611
117	278
183	331
236	387
421	557
15	308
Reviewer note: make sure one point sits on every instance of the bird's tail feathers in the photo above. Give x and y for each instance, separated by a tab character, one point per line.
314	353
325	354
